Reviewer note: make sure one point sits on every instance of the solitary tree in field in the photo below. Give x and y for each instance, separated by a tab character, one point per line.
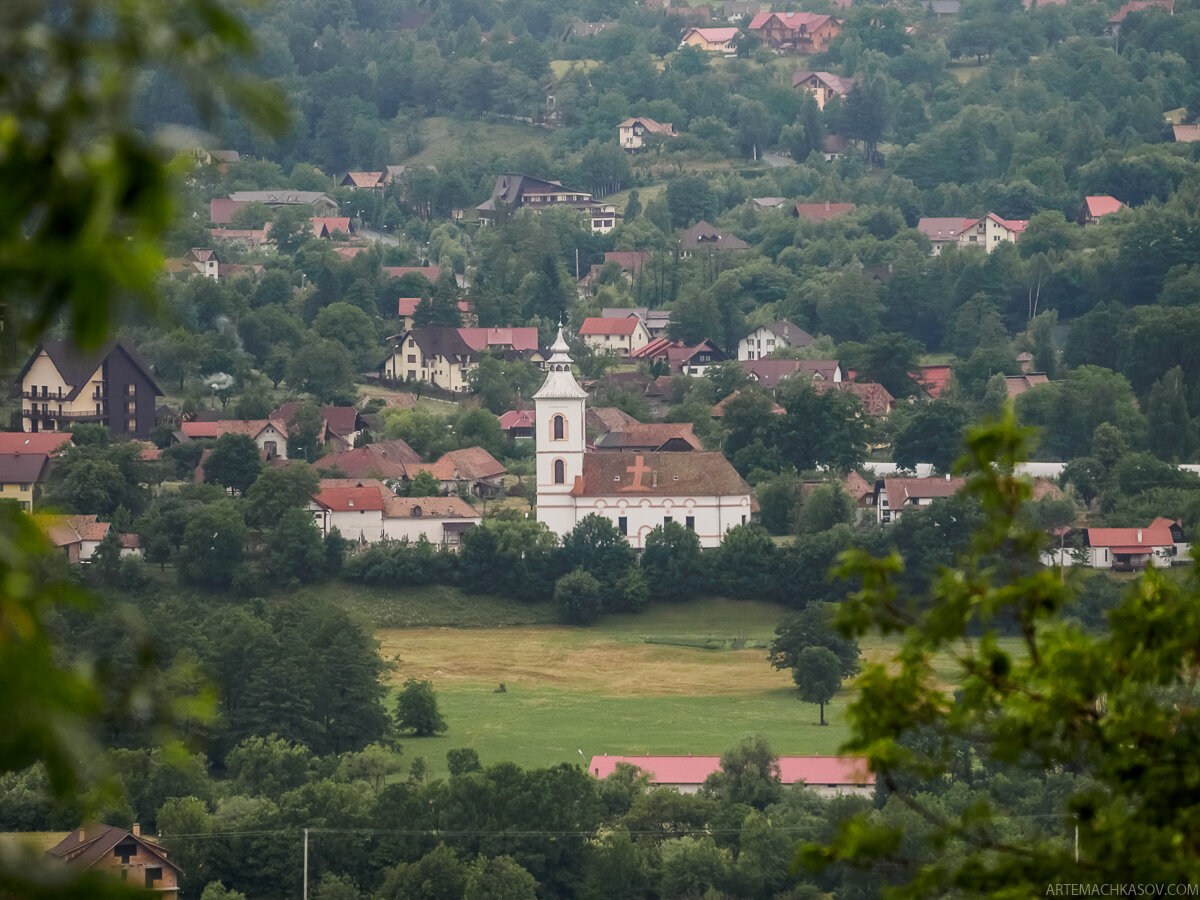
817	674
417	709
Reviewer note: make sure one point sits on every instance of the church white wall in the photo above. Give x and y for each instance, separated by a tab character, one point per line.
711	516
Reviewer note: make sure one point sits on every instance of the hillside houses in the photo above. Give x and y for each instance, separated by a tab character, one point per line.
445	357
624	336
797	33
894	495
766	339
986	233
367	512
633	133
823	86
515	191
712	40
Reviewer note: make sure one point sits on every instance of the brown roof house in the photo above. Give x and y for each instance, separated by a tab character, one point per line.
128	855
766	339
703	236
822	85
795	32
894	495
656	436
515	191
632	133
61	385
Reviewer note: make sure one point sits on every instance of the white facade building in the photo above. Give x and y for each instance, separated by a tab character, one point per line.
637	491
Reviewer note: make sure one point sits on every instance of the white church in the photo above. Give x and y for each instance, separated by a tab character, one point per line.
637	491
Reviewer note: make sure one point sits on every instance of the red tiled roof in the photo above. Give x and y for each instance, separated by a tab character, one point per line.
698	474
769	372
50	443
406	306
1102	206
473	463
483	338
650	436
1132	540
597	325
945	228
431	273
221	210
387	459
326	225
1139	5
363	179
875	398
933	379
815	770
346	499
657	347
821	212
23	468
517	418
901	490
608	418
718	409
714	35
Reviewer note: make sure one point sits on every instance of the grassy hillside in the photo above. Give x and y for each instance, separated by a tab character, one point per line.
444	137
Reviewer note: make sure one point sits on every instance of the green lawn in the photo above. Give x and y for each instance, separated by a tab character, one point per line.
444	137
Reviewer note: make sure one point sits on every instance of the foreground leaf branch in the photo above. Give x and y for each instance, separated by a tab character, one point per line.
1057	730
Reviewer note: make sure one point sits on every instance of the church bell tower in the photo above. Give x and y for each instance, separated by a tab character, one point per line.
559	418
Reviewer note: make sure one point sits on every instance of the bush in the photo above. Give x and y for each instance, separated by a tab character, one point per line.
579	597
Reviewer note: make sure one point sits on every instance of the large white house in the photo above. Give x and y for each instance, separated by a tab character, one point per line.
636	490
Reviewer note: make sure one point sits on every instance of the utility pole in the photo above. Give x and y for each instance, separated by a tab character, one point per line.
305	864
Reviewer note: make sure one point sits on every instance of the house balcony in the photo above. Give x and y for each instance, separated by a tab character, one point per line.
91	416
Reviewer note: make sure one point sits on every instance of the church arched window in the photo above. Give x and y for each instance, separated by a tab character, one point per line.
558	428
560	472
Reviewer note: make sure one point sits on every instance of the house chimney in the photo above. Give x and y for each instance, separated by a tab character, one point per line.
1139	535
827	206
81	834
137	829
947	476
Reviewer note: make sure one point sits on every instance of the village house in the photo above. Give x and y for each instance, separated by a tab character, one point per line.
795	32
518	424
655	320
342	424
736	10
1113	26
821	212
988	232
600	420
366	511
222	209
712	40
515	191
1016	385
1186	134
824	86
765	339
61	385
77	537
1095	207
198	261
269	434
827	776
663	437
703	236
876	400
406	308
632	132
636	491
130	857
25	461
623	336
654	391
894	495
770	372
445	357
1160	545
326	227
366	180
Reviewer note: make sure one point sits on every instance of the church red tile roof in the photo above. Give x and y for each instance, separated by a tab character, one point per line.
618	473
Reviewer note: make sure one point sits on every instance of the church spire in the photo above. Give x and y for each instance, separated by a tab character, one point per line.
560	383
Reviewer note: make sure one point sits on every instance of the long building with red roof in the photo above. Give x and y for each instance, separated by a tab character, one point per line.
827	775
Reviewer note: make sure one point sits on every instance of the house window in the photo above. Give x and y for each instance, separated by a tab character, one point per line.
558	428
271	448
153	876
131	390
623	525
560	472
690	522
131	425
25	487
412	357
131	406
667	520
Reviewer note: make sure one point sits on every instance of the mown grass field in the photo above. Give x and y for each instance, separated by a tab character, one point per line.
444	137
630	684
